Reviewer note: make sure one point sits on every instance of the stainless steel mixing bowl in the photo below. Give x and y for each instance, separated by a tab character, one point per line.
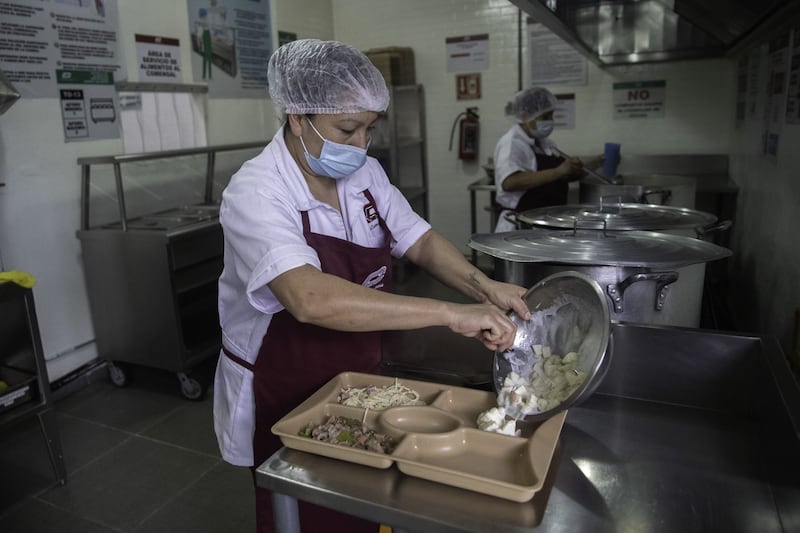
569	313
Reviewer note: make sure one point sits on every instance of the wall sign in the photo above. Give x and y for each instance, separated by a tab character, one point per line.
639	99
793	96
564	113
37	37
552	60
286	37
231	43
468	53
159	58
777	88
88	105
468	86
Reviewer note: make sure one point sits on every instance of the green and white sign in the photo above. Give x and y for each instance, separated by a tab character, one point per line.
639	99
88	105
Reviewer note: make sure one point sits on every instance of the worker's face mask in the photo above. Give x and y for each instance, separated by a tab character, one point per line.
335	160
543	129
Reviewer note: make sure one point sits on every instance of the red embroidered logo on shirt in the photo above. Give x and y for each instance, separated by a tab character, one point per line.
371	212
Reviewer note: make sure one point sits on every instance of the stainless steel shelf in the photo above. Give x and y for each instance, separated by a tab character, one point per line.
21	350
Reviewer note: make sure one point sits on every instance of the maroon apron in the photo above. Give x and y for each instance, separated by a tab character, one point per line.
296	359
553	193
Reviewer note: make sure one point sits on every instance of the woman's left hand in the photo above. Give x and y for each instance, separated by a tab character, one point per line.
508	296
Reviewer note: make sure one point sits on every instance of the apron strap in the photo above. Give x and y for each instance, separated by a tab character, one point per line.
238	360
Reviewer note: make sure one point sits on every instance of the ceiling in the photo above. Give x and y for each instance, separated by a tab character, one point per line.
612	32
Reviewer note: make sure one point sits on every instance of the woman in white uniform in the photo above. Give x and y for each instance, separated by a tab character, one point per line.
529	170
311	226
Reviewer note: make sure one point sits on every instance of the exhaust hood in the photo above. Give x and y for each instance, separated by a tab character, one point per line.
616	32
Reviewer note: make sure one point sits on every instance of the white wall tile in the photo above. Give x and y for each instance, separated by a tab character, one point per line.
698	117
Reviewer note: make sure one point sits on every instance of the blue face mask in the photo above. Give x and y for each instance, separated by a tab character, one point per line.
335	160
543	129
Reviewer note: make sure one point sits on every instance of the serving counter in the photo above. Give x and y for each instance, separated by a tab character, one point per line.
691	430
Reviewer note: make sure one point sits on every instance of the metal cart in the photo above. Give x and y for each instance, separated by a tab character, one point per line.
152	278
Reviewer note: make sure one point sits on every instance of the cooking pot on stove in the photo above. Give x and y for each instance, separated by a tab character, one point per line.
659	189
648	277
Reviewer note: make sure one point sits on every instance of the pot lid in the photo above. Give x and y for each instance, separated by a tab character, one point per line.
617	217
589	247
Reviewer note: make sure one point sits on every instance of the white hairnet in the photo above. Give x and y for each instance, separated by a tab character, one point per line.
530	103
310	76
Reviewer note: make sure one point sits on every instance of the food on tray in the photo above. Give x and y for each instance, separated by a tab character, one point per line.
552	380
378	398
496	421
348	432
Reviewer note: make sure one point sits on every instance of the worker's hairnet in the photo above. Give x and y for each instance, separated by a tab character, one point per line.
530	103
310	76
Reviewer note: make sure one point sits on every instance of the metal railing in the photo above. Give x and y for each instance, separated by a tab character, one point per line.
117	161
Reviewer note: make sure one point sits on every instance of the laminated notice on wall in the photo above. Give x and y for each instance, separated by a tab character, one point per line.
159	59
231	42
793	96
564	113
468	53
88	105
639	99
553	61
39	36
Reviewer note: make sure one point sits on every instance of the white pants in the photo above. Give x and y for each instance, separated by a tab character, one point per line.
503	224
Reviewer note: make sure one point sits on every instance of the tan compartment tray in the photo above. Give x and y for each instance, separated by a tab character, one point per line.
438	441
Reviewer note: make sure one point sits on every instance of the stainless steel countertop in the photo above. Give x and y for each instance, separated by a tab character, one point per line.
691	431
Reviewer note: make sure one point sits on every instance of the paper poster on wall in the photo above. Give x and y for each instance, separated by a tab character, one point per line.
552	61
754	64
231	44
468	86
793	96
88	105
38	37
777	78
564	114
286	37
159	58
639	99
468	53
741	90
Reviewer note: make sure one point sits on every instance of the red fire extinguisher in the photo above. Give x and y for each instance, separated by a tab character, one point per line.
468	130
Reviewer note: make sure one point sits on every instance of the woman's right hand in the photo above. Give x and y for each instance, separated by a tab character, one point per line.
485	322
571	167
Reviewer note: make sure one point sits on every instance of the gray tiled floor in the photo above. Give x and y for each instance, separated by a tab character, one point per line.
139	458
144	459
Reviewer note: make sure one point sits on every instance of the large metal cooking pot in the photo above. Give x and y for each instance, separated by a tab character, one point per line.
648	277
624	217
660	189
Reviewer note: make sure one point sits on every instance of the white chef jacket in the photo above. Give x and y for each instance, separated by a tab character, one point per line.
260	217
515	152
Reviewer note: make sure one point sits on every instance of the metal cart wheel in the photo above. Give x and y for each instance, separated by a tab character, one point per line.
190	387
117	375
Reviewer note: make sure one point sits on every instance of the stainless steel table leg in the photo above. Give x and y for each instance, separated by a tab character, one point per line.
473	223
47	421
285	514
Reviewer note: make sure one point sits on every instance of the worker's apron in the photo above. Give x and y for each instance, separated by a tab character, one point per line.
296	359
553	193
